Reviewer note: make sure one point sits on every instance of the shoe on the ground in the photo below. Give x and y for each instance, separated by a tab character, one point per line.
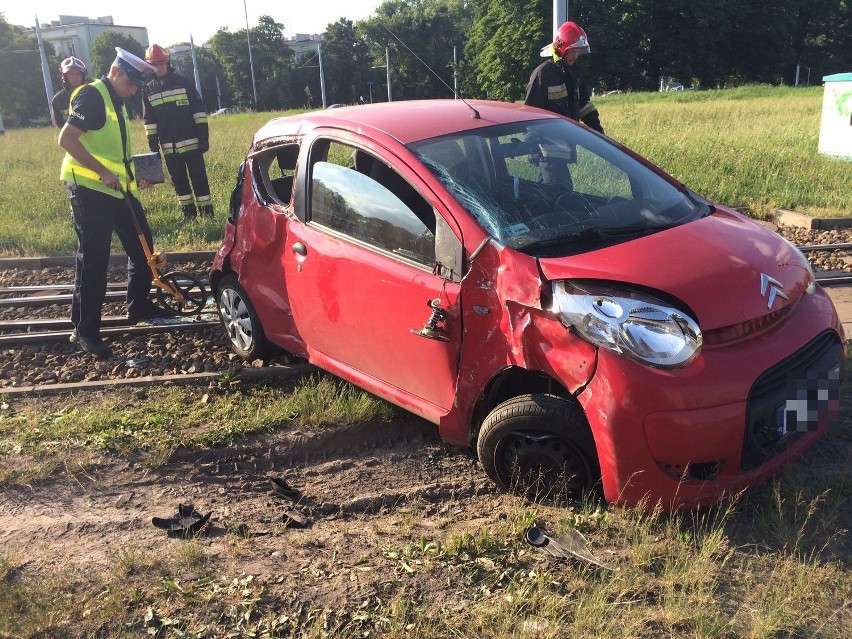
92	345
189	211
206	210
150	312
74	336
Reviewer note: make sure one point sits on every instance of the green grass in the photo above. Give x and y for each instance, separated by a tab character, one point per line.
751	148
754	148
151	429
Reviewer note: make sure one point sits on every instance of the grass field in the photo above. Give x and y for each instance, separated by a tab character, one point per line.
753	148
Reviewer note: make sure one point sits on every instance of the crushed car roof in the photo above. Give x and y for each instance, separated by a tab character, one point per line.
406	121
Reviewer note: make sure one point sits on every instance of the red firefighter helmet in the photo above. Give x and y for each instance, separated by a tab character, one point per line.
155	53
570	36
73	63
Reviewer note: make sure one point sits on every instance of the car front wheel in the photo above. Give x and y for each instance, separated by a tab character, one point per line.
240	320
539	446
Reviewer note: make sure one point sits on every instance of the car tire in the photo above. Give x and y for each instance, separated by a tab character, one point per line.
240	320
539	446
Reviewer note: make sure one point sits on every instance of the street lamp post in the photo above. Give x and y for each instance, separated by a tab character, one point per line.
251	62
370	84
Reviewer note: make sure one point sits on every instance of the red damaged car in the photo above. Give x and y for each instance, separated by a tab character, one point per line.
537	291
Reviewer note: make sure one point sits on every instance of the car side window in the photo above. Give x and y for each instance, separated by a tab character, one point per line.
355	193
274	170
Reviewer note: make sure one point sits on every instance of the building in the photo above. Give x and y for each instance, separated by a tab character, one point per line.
73	35
304	47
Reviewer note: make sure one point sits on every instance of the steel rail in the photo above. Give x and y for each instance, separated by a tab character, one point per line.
15	339
825	247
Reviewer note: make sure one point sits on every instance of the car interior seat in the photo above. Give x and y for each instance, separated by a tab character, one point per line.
282	186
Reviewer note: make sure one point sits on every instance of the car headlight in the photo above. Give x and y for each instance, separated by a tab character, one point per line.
632	324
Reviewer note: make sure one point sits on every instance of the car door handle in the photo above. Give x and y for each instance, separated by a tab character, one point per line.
300	249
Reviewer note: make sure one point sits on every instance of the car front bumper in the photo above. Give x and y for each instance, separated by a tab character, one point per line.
731	419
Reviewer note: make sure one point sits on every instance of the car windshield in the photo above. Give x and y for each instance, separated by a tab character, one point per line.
550	187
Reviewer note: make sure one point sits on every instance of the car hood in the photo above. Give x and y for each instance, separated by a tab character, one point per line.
724	267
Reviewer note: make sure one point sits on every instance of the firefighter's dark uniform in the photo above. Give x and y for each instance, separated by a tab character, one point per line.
98	210
560	88
176	122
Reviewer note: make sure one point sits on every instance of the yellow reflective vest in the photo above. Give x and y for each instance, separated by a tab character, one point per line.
105	145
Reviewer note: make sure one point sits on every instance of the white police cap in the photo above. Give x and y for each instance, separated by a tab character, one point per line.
138	71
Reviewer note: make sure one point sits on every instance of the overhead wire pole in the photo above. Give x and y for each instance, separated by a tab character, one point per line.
387	64
45	71
560	13
455	73
195	68
251	62
322	74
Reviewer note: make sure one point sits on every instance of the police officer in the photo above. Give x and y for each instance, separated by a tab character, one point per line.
97	172
73	73
557	85
175	120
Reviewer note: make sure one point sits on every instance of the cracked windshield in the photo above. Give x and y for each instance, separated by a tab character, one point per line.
554	188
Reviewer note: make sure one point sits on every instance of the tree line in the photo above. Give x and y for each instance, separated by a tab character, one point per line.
486	48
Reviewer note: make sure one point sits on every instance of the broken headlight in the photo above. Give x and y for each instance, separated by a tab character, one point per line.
632	324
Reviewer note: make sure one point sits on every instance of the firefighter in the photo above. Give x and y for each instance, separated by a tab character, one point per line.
557	85
176	123
73	73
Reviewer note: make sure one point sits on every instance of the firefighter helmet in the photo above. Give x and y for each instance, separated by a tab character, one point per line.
570	36
155	53
72	63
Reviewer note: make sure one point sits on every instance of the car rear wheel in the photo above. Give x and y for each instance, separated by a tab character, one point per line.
539	446
240	320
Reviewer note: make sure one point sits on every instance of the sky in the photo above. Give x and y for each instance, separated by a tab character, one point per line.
171	21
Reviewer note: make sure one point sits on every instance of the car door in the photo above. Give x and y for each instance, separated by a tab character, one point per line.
361	274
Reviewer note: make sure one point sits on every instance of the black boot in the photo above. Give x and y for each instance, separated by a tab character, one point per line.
189	211
206	210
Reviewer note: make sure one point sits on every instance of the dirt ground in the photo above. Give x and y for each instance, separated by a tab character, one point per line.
361	486
368	490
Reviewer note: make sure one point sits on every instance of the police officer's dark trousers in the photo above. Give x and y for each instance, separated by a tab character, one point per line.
96	215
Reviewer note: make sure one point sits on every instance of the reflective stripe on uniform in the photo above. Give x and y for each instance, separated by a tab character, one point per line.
557	92
164	97
587	109
170	148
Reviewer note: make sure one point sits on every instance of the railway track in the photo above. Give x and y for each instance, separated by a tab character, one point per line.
35	353
23	329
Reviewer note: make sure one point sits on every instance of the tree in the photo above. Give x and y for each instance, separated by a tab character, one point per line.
503	46
208	72
23	98
420	35
103	51
821	38
103	54
346	62
271	59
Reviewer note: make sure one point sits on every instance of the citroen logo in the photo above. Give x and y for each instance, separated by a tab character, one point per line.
770	288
